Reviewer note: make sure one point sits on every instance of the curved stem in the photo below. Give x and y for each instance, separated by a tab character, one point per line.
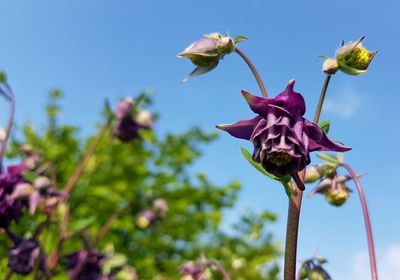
82	164
321	99
11	99
224	273
367	221
254	70
295	200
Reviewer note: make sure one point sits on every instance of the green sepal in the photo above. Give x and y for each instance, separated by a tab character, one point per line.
29	176
350	70
285	181
3	77
240	38
325	126
329	160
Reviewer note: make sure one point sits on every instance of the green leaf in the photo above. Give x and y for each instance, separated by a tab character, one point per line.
82	223
256	165
328	159
325	126
240	38
29	176
3	77
285	181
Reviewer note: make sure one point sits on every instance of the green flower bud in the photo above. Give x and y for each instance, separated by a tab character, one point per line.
313	174
353	58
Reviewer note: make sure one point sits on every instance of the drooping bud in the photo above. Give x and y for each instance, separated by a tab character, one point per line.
330	66
313	174
334	189
146	219
207	52
192	271
353	58
160	207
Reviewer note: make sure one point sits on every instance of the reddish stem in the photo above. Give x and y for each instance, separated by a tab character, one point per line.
367	221
254	71
82	164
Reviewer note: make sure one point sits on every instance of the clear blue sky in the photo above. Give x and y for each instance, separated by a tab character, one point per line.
94	49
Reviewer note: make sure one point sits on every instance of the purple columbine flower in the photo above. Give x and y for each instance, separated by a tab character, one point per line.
24	256
129	122
10	208
282	137
88	262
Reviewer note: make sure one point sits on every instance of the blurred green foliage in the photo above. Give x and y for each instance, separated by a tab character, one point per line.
135	174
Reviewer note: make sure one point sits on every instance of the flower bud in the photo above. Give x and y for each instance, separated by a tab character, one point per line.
338	195
124	108
146	219
313	174
206	52
353	58
330	66
160	207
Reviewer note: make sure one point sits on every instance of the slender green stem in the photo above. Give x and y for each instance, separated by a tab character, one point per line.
224	273
108	224
295	200
254	70
367	221
9	275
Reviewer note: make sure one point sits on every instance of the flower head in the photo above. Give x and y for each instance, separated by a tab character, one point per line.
281	136
312	269
351	58
192	271
91	261
146	218
207	52
130	120
334	189
24	255
10	208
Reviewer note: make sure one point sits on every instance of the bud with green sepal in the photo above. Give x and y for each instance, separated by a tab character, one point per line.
208	51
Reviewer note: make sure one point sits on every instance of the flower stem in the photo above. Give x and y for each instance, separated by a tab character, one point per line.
295	200
82	164
11	99
254	70
224	273
9	275
321	99
108	224
292	230
367	221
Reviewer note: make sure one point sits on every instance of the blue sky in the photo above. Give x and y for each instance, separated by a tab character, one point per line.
95	49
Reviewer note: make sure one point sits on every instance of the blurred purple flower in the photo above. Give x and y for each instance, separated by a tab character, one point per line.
24	256
190	269
129	122
88	262
282	138
10	209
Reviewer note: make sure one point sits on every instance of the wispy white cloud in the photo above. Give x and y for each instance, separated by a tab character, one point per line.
388	261
344	104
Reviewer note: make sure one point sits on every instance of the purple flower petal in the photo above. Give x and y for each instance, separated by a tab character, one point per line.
258	105
242	129
318	141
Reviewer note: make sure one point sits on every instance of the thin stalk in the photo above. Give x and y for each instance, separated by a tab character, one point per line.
82	164
321	99
11	99
107	225
295	200
224	273
367	221
9	275
254	70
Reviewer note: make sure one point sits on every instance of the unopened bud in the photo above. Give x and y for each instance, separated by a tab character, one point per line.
312	174
330	66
